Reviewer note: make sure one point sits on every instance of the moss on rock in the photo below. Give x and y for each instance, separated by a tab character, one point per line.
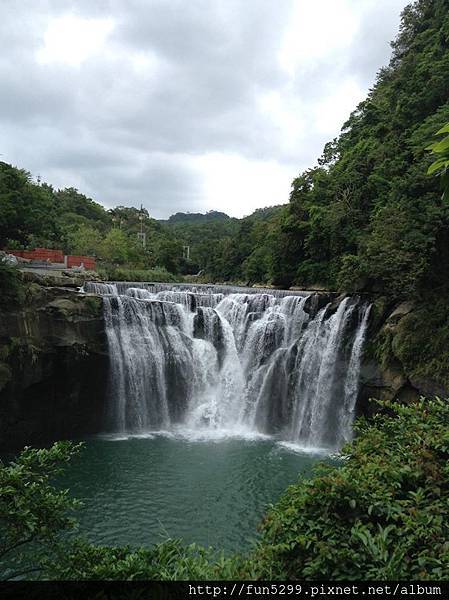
417	338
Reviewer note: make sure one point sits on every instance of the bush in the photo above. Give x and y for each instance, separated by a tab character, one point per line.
33	513
383	515
158	275
170	560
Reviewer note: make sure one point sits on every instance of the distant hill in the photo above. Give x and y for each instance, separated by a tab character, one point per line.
211	215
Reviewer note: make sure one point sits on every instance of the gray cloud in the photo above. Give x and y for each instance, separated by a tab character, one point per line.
175	83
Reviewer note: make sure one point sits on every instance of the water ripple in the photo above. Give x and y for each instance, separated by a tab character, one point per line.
146	488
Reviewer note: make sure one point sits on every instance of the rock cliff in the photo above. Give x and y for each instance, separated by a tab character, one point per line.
406	354
53	364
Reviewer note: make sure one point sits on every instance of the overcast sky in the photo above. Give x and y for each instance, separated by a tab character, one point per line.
183	105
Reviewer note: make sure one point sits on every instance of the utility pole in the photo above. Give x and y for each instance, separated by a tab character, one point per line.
142	235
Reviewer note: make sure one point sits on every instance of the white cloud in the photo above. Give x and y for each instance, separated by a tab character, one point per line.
184	105
331	112
284	109
238	186
71	40
315	31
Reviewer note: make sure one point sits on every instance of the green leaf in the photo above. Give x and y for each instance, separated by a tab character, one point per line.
439	164
442	146
444	129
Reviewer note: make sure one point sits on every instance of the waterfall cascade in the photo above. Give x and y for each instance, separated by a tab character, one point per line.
274	363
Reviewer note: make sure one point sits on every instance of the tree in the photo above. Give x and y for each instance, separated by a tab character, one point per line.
115	247
441	165
256	266
168	254
84	240
33	513
26	209
71	200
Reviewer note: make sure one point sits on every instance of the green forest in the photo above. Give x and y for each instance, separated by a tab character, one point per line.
367	217
371	217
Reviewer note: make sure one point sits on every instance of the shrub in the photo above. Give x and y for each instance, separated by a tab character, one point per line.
170	560
383	515
158	274
33	513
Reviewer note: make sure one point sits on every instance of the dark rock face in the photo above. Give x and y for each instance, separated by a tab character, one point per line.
385	375
53	367
207	325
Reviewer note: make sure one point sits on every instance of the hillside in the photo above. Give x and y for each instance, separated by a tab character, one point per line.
33	215
366	218
211	215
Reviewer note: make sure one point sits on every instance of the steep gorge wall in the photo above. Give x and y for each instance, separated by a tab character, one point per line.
407	352
53	366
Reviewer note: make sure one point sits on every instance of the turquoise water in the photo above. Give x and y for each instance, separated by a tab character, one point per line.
140	491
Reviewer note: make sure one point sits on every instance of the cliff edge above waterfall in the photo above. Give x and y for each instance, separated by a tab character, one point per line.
53	360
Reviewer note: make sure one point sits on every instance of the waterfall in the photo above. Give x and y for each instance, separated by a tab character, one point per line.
213	359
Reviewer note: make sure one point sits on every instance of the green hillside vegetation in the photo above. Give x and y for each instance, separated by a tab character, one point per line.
211	215
34	215
367	217
372	216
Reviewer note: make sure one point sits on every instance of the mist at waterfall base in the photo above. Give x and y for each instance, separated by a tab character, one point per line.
216	402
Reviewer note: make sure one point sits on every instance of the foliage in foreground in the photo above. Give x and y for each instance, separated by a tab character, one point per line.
168	561
33	514
441	164
383	514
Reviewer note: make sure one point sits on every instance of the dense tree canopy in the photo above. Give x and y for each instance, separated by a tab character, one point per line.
34	214
441	164
366	217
